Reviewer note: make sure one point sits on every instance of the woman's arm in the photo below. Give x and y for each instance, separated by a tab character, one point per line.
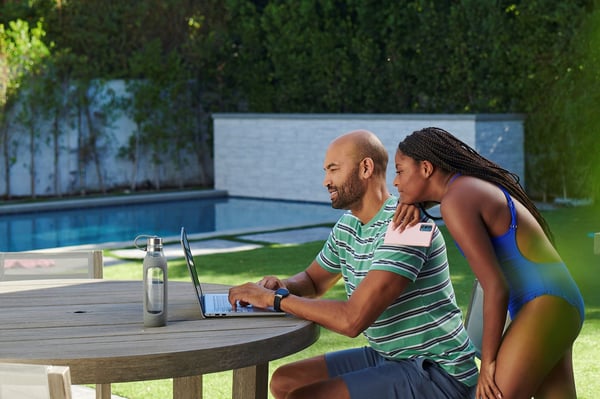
461	212
406	215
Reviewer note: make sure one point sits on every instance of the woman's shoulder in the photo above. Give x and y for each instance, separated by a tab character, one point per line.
470	188
472	194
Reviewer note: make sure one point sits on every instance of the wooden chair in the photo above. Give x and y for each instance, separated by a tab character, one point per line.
34	381
36	265
474	318
31	265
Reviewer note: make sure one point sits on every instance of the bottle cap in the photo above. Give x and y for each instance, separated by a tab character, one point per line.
154	244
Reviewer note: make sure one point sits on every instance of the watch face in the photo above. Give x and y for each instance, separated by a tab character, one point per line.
282	291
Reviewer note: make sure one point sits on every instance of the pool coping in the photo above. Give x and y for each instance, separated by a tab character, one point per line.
109	200
115	245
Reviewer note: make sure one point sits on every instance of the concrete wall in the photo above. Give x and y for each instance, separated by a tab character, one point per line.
260	155
281	155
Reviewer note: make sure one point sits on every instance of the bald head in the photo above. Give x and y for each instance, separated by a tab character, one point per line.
360	144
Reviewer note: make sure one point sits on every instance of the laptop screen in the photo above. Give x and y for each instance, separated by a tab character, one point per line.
190	262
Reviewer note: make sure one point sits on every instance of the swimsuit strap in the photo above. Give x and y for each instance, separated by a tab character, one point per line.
511	206
453	178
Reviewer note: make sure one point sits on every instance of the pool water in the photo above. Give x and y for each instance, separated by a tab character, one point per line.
122	223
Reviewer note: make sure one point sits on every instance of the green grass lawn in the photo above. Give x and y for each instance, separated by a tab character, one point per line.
573	228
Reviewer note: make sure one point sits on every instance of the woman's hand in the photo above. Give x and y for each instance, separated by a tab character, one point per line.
406	215
486	385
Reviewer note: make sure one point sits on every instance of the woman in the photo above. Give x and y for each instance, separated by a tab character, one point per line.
509	247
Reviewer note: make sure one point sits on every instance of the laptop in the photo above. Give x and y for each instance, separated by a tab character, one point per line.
217	304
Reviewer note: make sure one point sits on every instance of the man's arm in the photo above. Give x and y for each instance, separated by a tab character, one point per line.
349	317
311	283
314	282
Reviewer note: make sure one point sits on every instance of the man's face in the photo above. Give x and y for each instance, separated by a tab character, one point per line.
349	193
342	179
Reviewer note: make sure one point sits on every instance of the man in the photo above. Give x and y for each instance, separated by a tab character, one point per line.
399	297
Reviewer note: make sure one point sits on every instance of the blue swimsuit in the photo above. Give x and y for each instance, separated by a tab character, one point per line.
528	280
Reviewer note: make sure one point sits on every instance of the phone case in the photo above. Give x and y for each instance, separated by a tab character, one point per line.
418	235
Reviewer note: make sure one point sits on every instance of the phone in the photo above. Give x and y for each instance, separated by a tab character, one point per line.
419	235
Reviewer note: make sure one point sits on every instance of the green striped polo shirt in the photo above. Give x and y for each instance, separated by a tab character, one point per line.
424	321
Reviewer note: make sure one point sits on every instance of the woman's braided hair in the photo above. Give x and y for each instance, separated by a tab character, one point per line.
454	156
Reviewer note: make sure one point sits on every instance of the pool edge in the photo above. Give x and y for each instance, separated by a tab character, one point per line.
109	200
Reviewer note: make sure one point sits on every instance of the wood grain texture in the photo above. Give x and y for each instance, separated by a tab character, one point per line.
96	328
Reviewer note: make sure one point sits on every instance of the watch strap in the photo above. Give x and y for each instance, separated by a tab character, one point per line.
277	302
279	295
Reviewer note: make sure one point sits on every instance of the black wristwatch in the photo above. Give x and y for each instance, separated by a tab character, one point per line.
279	295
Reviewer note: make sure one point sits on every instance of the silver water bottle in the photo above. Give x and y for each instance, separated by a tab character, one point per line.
155	284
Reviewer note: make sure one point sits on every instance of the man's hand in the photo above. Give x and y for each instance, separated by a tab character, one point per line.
406	215
251	294
271	282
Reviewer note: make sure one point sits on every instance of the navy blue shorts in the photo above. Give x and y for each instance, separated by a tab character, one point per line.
368	375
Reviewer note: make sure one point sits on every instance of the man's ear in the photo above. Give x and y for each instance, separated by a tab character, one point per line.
366	167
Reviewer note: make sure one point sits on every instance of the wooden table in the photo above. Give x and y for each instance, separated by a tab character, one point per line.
95	327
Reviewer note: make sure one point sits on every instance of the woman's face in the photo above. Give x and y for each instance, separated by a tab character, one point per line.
410	179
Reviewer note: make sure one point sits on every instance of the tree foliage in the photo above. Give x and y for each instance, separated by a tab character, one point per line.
193	58
563	122
22	57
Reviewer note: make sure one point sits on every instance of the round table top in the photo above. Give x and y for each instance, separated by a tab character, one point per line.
96	328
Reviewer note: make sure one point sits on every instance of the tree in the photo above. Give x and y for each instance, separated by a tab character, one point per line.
563	143
97	107
350	56
57	104
162	107
22	51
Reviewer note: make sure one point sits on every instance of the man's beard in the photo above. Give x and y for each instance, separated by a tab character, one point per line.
349	193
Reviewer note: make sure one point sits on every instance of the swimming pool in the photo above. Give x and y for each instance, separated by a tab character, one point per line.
121	223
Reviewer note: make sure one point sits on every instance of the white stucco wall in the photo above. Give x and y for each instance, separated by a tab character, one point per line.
281	155
277	156
116	171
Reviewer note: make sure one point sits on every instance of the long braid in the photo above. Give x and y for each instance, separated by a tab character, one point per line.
454	156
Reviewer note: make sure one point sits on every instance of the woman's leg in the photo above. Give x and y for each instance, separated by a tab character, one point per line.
535	345
560	383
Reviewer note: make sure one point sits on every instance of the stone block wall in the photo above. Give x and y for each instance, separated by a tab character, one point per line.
281	155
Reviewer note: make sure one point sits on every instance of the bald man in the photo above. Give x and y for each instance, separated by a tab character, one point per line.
399	297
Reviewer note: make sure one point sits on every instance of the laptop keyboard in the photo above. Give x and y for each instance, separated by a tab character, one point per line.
221	305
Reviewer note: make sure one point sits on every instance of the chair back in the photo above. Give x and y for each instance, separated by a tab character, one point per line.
30	265
34	381
474	318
